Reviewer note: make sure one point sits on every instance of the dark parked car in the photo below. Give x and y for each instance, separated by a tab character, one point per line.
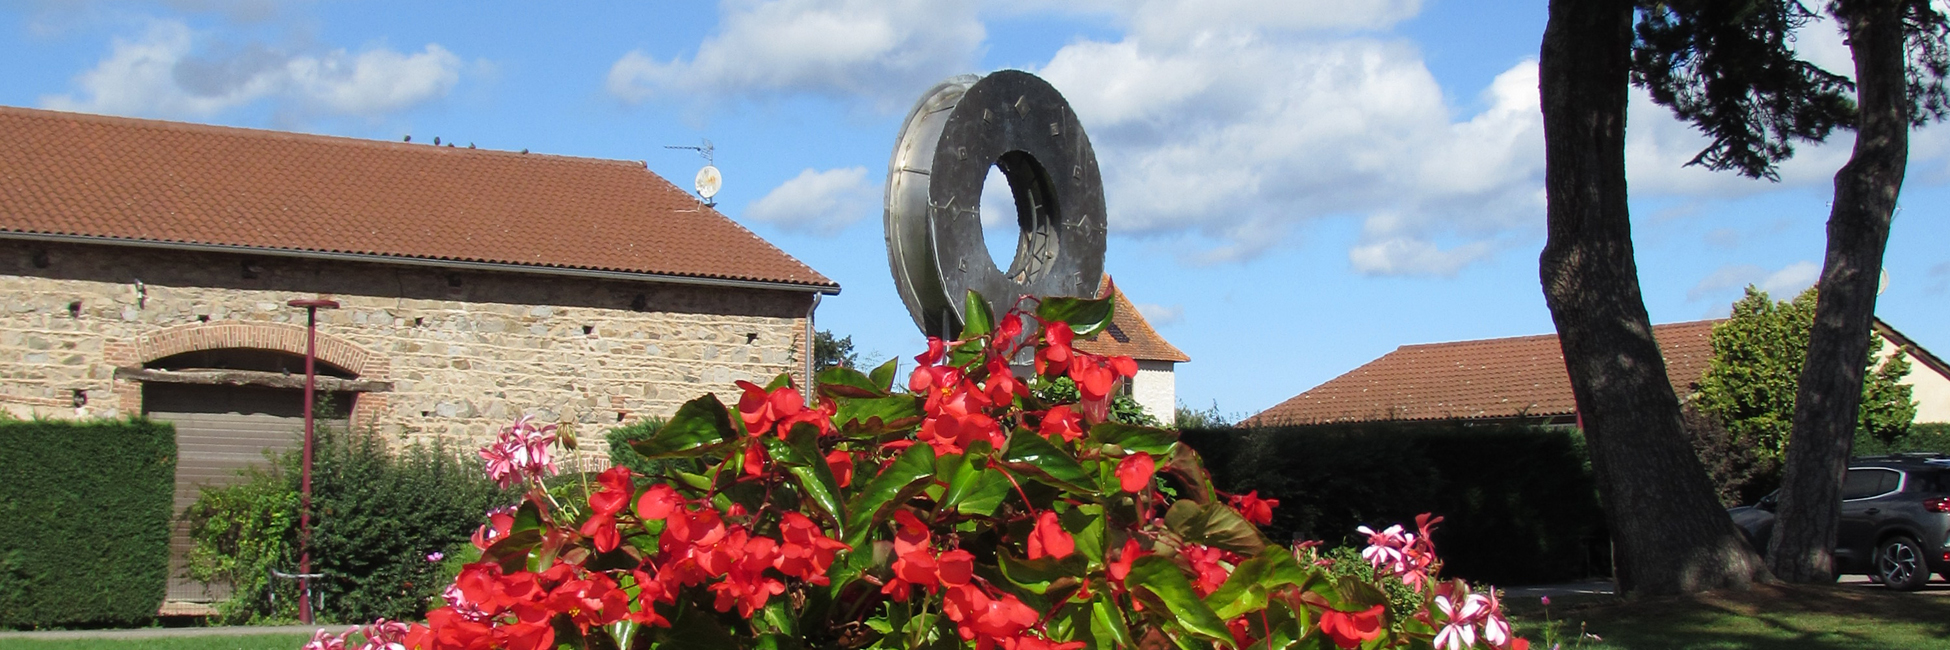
1895	520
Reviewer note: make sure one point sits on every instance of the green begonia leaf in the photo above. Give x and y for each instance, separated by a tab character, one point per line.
877	413
1216	525
1162	579
1253	580
910	473
699	427
1040	574
1086	316
1150	440
800	456
1034	456
882	377
841	381
978	320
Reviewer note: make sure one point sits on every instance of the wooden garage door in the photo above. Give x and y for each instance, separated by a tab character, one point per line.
220	432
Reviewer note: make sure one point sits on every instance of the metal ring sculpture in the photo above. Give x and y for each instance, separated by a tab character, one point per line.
1021	125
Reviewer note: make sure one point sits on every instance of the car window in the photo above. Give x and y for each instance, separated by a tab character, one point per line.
1868	482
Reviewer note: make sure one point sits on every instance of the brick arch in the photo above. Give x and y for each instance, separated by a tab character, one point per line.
283	337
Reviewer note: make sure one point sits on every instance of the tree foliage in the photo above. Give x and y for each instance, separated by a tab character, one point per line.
1758	353
1732	70
831	351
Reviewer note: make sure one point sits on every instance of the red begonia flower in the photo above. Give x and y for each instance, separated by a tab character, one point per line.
1061	423
658	502
1049	538
1350	629
1209	574
1120	568
937	349
1253	508
602	529
615	492
1053	359
1134	472
842	465
806	552
955	568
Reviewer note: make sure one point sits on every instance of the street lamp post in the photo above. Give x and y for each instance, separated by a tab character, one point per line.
304	484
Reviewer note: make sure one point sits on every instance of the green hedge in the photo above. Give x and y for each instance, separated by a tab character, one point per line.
1934	436
84	521
1519	503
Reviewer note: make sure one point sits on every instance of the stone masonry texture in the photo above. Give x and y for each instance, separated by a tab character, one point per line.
466	351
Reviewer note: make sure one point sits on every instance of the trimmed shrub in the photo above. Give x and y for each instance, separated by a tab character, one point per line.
1929	437
1519	502
86	507
377	516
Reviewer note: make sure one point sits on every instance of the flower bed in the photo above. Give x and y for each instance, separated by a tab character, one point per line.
962	511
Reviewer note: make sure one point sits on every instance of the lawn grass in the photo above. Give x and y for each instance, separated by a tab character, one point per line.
213	642
1801	617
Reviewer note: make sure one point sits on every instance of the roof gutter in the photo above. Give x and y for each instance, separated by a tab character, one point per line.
429	262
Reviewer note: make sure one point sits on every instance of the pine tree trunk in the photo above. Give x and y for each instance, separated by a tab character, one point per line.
1669	534
1826	404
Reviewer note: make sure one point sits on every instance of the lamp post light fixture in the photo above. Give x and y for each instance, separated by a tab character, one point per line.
304	484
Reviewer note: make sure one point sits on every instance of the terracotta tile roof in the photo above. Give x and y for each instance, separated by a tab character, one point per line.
1491	378
1129	334
67	174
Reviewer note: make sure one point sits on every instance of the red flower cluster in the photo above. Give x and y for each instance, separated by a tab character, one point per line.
781	407
1096	376
956	406
983	614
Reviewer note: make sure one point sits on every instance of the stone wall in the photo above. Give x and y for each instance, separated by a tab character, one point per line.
465	351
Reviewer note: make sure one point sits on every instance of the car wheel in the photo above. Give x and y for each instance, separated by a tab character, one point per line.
1900	564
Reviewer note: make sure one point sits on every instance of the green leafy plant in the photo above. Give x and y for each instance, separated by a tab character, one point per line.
382	522
963	511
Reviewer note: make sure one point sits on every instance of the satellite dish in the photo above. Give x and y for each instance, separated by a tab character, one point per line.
1882	284
708	182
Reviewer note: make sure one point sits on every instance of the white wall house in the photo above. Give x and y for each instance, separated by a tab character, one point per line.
1928	378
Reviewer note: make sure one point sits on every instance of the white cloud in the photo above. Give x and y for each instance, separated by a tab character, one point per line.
885	50
1177	20
1409	256
168	72
819	201
1791	280
1160	315
1240	137
1782	284
375	81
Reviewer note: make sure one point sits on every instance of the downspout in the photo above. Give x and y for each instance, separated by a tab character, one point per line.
809	387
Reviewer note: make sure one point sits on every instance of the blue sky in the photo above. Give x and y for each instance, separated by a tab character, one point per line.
1294	188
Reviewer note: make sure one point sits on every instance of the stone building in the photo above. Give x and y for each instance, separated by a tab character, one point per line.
145	268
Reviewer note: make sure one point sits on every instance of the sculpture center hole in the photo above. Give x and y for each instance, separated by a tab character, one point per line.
1019	217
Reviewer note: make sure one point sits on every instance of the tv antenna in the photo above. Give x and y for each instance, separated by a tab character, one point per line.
709	180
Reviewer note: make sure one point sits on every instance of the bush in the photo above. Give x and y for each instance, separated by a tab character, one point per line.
377	515
1519	502
86	508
